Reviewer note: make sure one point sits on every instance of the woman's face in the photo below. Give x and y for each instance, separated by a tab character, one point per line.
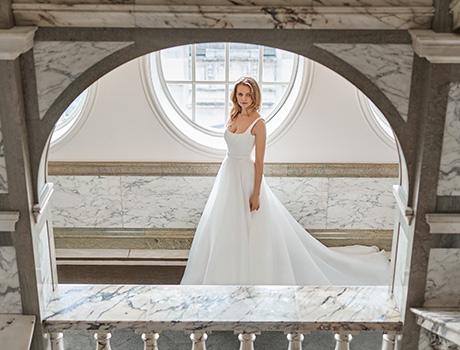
243	96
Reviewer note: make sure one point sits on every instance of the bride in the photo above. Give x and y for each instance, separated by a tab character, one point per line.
246	236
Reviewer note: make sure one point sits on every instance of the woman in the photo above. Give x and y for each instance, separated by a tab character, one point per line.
246	236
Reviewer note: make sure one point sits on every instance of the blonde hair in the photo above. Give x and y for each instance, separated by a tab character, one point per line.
255	95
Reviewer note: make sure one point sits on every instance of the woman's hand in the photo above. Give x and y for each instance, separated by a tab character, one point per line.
254	202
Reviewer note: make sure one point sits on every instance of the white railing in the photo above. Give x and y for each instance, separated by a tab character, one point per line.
245	310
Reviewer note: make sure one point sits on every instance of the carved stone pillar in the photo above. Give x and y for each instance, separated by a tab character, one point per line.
103	341
198	340
247	341
57	341
342	341
295	341
150	341
389	341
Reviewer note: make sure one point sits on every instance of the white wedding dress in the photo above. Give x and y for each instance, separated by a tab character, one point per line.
234	246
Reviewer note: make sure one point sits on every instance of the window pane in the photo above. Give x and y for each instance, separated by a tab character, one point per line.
210	106
182	96
277	65
210	61
271	97
244	60
177	63
73	111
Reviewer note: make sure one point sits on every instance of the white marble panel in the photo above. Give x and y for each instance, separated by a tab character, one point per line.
59	63
442	323
449	172
43	267
166	202
87	201
304	198
10	296
443	278
361	203
389	66
3	178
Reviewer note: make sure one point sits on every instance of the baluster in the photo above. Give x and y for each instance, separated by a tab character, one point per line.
150	341
295	341
198	340
103	340
247	341
342	341
389	341
57	341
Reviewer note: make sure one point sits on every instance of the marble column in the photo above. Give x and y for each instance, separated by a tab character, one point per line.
198	340
150	341
247	341
342	341
389	341
103	341
57	341
295	341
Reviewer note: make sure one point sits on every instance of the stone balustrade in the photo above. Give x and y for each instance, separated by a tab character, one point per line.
200	310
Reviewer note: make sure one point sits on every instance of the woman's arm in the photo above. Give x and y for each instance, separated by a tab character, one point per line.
260	133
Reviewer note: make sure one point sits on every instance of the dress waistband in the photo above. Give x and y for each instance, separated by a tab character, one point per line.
239	157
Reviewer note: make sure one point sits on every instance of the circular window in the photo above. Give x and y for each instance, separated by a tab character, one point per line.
73	117
376	120
190	87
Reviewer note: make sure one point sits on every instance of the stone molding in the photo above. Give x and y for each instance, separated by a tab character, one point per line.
15	41
440	321
441	223
58	168
336	14
8	220
39	209
406	212
436	47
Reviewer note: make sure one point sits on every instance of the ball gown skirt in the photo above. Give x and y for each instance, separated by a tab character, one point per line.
234	246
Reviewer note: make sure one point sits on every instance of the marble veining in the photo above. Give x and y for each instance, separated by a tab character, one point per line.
212	14
449	172
3	177
443	278
178	201
360	203
10	296
428	340
444	322
249	308
388	66
87	201
59	63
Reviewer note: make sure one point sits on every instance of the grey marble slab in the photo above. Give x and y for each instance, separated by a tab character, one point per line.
389	66
59	63
357	203
443	278
10	296
3	176
87	201
432	341
449	172
444	322
241	308
16	331
314	14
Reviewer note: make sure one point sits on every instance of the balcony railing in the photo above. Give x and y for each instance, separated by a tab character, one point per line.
199	310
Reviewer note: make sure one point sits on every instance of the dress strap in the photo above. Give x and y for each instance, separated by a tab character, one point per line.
254	123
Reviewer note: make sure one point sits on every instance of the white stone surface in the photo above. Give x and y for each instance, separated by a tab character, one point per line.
8	220
43	267
449	173
10	297
16	331
436	47
59	63
87	201
360	203
244	308
178	201
3	176
388	66
443	322
15	41
443	222
443	278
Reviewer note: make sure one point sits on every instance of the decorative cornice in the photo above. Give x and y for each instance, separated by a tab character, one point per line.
15	41
290	14
443	223
58	168
436	47
8	220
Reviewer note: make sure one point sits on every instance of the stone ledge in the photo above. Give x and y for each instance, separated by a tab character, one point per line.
441	223
444	322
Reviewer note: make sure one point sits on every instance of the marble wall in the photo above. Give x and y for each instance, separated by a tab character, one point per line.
443	278
10	297
59	63
449	173
178	201
3	178
388	66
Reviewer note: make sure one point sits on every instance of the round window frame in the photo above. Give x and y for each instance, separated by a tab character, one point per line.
277	126
77	121
374	124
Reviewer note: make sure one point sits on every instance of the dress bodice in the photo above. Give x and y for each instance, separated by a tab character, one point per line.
240	145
